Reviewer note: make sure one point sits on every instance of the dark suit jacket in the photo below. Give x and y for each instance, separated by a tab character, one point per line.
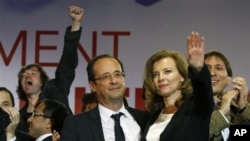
2	136
59	87
191	121
88	126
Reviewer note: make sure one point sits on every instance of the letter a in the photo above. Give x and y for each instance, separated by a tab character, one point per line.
237	132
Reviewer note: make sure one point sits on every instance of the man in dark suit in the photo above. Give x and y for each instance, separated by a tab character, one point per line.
47	117
107	79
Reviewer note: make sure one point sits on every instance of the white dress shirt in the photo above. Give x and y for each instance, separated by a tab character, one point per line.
12	139
130	127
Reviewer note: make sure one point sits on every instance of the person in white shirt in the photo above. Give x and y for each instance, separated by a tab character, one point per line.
106	77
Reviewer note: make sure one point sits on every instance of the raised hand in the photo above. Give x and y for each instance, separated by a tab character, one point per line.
76	14
195	51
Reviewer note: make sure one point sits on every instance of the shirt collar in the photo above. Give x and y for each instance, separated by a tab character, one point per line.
43	137
106	113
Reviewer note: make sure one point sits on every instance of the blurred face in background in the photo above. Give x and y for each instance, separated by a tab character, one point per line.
90	106
219	76
5	99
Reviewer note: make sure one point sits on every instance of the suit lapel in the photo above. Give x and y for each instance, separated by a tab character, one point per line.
96	125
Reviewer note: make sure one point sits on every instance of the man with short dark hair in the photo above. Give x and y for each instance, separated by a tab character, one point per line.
47	117
107	79
231	107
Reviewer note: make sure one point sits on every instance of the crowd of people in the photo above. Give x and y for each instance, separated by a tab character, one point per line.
185	99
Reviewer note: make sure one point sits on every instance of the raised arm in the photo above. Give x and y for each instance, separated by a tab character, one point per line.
76	14
65	72
195	51
200	76
59	87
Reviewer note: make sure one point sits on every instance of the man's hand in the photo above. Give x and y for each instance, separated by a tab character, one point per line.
240	85
14	118
55	136
226	101
76	14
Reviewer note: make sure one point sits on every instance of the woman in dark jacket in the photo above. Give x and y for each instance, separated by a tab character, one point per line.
178	96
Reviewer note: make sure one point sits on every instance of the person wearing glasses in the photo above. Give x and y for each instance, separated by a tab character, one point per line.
9	115
34	83
106	77
47	117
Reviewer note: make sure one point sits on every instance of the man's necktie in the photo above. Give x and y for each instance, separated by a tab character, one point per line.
119	135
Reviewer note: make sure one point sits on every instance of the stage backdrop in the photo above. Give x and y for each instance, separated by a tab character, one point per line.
129	29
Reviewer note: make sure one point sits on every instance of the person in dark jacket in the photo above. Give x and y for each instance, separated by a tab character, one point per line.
106	77
34	84
179	97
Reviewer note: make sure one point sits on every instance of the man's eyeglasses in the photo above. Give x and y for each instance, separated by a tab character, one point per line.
34	114
107	76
